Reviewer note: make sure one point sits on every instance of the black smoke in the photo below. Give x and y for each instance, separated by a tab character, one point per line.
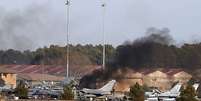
153	51
155	35
150	51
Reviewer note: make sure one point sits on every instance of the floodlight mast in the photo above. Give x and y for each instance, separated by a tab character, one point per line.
103	32
67	37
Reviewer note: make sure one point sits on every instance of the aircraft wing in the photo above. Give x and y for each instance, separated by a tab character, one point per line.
95	92
89	95
169	95
174	92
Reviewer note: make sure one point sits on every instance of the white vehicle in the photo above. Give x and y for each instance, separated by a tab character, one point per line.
104	91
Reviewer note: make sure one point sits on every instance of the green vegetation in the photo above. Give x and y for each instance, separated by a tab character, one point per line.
21	91
53	55
68	93
137	92
137	55
188	94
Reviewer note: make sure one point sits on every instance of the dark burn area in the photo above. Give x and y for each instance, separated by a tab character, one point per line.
155	50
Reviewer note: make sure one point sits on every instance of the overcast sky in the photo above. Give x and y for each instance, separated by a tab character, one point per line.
43	22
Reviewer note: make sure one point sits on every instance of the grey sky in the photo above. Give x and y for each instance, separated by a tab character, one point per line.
125	20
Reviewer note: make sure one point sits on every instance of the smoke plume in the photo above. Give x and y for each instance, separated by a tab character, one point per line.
154	35
144	52
18	27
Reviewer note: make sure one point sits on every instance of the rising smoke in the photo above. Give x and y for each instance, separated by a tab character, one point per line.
145	51
9	38
141	53
19	28
155	35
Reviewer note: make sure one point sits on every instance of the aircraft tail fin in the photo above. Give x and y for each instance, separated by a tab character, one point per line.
109	86
195	86
176	88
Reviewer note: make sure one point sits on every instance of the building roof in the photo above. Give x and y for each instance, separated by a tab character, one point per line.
147	71
168	71
39	77
172	72
6	70
50	69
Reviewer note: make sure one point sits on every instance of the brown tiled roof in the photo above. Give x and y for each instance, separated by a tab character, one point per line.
147	71
6	70
168	71
40	77
50	69
171	72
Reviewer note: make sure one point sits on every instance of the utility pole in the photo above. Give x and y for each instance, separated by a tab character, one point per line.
67	37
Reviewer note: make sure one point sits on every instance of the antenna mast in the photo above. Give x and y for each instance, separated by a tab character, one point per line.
67	41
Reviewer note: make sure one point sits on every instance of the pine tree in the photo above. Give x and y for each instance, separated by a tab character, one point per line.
136	92
21	91
187	94
68	93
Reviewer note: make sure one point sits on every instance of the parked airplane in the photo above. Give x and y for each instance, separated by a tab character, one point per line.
195	86
176	94
156	93
153	93
6	88
169	95
105	90
173	93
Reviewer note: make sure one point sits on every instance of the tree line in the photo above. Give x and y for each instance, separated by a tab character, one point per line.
56	55
148	55
156	55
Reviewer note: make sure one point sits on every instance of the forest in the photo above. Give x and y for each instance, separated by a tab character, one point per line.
155	50
56	55
149	54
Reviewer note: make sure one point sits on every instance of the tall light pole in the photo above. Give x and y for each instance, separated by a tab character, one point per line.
67	37
103	32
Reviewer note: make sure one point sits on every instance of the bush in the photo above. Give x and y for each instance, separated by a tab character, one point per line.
21	91
136	92
68	93
187	94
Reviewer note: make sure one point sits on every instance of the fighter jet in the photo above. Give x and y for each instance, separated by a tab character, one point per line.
168	95
105	90
6	88
173	93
